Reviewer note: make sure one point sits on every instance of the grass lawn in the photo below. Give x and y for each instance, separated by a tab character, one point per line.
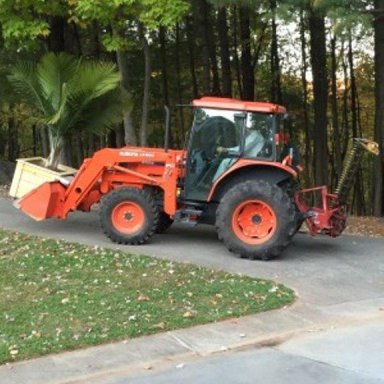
57	296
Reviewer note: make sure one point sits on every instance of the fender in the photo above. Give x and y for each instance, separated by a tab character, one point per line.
276	171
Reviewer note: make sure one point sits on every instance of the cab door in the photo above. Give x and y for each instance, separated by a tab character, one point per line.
212	128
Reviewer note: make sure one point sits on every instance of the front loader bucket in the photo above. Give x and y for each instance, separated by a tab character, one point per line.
43	202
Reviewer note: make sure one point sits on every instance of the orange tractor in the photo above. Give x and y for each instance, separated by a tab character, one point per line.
238	173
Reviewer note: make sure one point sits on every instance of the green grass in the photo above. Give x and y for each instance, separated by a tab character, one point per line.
57	296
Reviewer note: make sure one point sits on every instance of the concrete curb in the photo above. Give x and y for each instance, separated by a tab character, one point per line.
136	356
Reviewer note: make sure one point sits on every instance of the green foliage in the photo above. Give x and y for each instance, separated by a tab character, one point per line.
24	21
156	13
119	13
68	95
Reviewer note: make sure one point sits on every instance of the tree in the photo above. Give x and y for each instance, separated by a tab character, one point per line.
379	98
320	93
68	95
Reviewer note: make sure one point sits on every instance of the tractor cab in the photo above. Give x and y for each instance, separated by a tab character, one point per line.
225	131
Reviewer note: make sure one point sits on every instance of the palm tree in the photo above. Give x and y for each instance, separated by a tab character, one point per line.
68	94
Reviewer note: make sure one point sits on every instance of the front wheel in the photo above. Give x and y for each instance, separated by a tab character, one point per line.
129	215
256	220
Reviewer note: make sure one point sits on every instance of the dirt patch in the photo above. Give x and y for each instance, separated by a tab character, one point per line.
365	226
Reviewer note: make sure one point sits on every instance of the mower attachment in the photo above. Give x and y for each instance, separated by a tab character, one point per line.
329	217
330	214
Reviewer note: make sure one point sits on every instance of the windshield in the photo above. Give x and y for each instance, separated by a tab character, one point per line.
214	128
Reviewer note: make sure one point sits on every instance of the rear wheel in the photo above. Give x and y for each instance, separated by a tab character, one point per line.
256	220
128	215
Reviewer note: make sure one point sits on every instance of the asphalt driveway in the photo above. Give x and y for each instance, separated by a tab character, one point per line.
323	271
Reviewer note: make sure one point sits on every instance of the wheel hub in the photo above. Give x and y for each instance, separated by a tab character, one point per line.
128	217
254	221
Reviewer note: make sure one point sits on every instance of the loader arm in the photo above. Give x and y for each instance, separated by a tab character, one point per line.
108	169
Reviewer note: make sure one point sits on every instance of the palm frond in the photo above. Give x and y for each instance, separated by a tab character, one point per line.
102	112
25	83
59	110
70	94
53	71
93	80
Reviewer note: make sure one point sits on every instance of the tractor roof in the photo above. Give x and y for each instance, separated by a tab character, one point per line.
238	105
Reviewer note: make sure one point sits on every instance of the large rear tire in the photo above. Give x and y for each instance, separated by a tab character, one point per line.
129	215
256	220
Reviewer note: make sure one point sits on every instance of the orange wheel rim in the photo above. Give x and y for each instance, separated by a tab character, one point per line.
254	222
128	217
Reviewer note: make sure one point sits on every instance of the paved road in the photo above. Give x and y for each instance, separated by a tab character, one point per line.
333	334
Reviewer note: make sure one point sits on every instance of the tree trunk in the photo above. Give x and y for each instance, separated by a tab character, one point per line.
345	131
35	140
79	150
164	71
236	61
304	83
56	40
360	204
73	40
147	80
44	141
120	136
201	19
66	152
276	95
179	87
379	109
222	27
191	53
320	93
163	62
246	56
205	10
335	112
56	143
13	140
129	131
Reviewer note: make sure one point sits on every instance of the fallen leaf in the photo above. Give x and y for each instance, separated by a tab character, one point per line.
142	297
14	352
159	325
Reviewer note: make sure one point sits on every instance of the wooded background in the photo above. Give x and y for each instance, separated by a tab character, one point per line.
322	59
